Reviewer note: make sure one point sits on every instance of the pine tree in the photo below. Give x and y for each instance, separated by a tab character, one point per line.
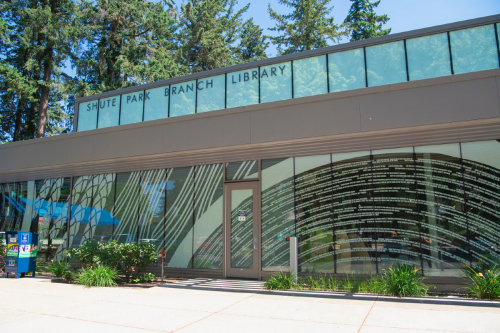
306	28
252	45
363	22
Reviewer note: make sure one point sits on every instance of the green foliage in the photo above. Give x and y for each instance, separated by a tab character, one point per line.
135	258
101	276
307	27
280	281
59	268
145	278
3	253
402	281
483	283
363	22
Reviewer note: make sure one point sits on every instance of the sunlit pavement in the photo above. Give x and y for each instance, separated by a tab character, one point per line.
33	304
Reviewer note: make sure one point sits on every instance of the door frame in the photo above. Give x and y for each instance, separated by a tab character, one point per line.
229	272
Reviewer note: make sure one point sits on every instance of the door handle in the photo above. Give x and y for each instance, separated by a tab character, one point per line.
255	242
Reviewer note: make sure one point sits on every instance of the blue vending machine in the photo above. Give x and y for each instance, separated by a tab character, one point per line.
21	252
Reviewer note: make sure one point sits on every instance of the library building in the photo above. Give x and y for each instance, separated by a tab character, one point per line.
371	153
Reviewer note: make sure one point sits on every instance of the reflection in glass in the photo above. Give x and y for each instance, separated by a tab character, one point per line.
355	231
87	116
313	204
207	246
243	88
211	93
278	217
156	103
15	206
386	64
109	112
126	208
103	200
132	108
474	49
182	98
428	57
276	82
441	210
81	206
309	77
346	70
242	170
481	162
241	228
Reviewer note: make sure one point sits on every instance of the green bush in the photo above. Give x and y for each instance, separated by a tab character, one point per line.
3	253
135	258
100	276
483	284
280	281
145	278
402	281
59	269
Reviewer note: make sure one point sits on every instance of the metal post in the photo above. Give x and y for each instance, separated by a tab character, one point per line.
294	262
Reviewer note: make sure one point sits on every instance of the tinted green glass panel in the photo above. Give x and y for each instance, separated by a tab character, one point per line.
126	210
474	49
428	57
243	88
182	98
242	170
132	106
87	116
211	93
241	230
386	64
156	103
276	82
109	112
309	77
347	70
81	201
103	200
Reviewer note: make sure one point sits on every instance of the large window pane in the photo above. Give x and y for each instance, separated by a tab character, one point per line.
386	63
428	57
242	170
132	107
241	249
353	213
16	206
243	88
309	77
182	98
395	207
126	210
313	203
346	70
156	103
179	217
81	206
211	93
276	82
481	161
278	217
109	112
103	199
474	49
441	210
87	116
207	245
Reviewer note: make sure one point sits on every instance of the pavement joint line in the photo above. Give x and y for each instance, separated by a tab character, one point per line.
371	308
413	329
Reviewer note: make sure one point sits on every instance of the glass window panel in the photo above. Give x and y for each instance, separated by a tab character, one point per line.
353	213
386	64
156	103
428	57
242	170
126	209
109	112
276	82
474	49
207	245
211	93
481	162
347	70
182	98
313	204
395	207
243	88
81	207
179	217
277	217
309	77
441	210
87	116
14	207
241	230
132	107
103	198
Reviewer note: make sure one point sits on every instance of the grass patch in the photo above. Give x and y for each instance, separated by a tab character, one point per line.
101	276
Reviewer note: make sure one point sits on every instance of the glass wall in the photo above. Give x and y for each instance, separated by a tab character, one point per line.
156	103
242	88
346	70
182	98
428	57
109	112
242	170
386	64
309	77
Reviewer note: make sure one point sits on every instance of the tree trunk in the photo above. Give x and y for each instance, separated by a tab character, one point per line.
44	96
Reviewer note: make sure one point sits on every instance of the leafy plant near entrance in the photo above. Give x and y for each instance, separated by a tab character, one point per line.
483	283
101	276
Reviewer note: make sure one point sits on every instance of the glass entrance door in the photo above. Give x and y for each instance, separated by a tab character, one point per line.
242	226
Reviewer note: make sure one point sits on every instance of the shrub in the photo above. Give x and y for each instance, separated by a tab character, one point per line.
483	284
135	258
280	281
145	278
59	269
402	281
3	253
100	276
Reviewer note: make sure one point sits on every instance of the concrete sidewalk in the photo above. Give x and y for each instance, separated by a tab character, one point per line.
37	305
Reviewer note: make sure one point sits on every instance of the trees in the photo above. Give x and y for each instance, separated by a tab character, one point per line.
306	28
363	22
252	45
